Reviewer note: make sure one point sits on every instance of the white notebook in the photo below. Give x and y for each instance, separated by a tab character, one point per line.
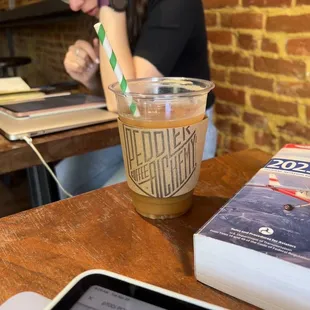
13	84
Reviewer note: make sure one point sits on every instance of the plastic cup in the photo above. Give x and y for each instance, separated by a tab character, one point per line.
163	147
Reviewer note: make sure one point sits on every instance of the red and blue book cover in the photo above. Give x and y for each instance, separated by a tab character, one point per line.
271	213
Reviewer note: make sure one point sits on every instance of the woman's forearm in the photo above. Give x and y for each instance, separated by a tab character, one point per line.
115	27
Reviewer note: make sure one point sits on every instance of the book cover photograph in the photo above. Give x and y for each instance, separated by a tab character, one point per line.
271	213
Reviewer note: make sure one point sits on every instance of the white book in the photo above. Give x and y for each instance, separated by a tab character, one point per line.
257	247
13	84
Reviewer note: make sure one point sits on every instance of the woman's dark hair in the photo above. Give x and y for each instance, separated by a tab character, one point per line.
136	15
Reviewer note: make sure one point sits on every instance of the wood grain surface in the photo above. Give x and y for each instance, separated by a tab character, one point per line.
42	249
53	147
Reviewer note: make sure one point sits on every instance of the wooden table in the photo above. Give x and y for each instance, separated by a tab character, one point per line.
53	147
42	249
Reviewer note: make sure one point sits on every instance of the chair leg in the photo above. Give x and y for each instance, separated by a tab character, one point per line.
5	72
43	189
14	178
6	179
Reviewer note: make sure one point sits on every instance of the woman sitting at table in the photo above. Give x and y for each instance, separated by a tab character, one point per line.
151	38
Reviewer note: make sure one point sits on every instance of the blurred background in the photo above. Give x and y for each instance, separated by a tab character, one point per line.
259	54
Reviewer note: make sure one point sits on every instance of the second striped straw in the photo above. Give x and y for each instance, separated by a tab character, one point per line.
116	68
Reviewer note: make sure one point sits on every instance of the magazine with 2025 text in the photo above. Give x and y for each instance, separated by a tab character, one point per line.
269	216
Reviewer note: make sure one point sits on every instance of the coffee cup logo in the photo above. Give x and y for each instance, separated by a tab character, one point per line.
161	162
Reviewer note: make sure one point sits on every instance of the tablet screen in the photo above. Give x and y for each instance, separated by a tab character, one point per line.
54	103
102	292
99	298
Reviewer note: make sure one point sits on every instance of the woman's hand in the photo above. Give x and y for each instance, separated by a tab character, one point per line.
82	61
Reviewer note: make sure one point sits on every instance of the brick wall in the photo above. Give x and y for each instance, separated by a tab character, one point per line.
46	44
25	2
3	4
260	61
3	44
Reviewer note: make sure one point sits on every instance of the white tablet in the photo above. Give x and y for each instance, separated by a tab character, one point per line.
102	290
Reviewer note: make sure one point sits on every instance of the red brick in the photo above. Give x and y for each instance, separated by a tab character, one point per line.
221	151
227	109
247	79
227	58
237	130
293	68
242	20
265	139
270	105
290	24
217	4
220	37
265	3
218	75
230	95
269	46
298	47
220	140
226	126
255	120
236	146
295	129
303	2
25	2
4	5
210	19
247	42
294	89
283	141
223	125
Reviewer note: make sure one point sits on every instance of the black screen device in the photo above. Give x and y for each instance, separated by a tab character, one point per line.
101	290
53	105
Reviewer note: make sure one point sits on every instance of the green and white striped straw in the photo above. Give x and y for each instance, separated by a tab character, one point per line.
116	68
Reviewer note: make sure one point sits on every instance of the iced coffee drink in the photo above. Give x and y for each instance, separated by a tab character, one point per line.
162	148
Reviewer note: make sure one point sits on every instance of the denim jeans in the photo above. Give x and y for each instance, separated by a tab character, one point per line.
209	150
83	173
